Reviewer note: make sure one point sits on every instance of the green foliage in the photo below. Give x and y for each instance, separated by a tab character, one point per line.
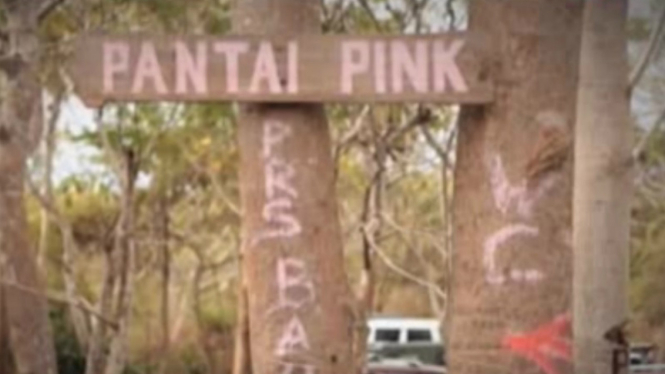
648	236
218	319
192	360
71	359
188	160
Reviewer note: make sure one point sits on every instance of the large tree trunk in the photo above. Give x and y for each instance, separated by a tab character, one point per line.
511	292
602	187
299	300
29	330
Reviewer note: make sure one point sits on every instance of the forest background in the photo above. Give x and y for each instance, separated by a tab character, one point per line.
167	173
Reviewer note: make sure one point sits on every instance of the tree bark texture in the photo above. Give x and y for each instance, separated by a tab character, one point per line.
512	272
298	296
30	335
124	254
242	361
603	188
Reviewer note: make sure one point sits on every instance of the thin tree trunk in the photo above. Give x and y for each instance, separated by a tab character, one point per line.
125	249
446	208
300	303
95	360
181	314
79	318
512	276
197	307
49	150
162	215
365	295
50	214
603	188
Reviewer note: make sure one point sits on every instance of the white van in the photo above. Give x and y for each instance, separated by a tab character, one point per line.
403	330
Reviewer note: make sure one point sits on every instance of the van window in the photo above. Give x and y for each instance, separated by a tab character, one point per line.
387	335
418	335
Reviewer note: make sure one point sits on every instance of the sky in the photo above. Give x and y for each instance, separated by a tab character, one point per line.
71	158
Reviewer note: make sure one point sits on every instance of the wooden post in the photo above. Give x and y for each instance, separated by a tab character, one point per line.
293	264
513	193
603	190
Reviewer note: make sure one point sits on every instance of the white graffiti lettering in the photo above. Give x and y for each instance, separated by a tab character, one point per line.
279	177
274	133
294	339
293	368
492	273
506	194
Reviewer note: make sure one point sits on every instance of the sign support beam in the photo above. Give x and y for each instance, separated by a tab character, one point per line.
512	288
292	250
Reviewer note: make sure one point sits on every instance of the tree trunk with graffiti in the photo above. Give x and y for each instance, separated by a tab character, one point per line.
297	290
603	189
511	297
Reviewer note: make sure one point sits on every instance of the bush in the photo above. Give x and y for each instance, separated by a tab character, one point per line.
70	356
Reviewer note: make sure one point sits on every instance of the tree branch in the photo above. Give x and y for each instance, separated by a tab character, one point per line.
422	116
641	145
47	7
404	273
440	151
450	12
353	132
368	9
60	299
642	64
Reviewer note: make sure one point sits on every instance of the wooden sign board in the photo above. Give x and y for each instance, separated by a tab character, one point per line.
444	68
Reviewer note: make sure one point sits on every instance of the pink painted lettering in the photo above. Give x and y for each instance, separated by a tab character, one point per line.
148	68
116	61
380	78
355	61
293	81
445	67
265	70
413	66
191	69
231	52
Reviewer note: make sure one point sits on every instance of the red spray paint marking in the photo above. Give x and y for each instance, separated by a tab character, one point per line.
544	344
